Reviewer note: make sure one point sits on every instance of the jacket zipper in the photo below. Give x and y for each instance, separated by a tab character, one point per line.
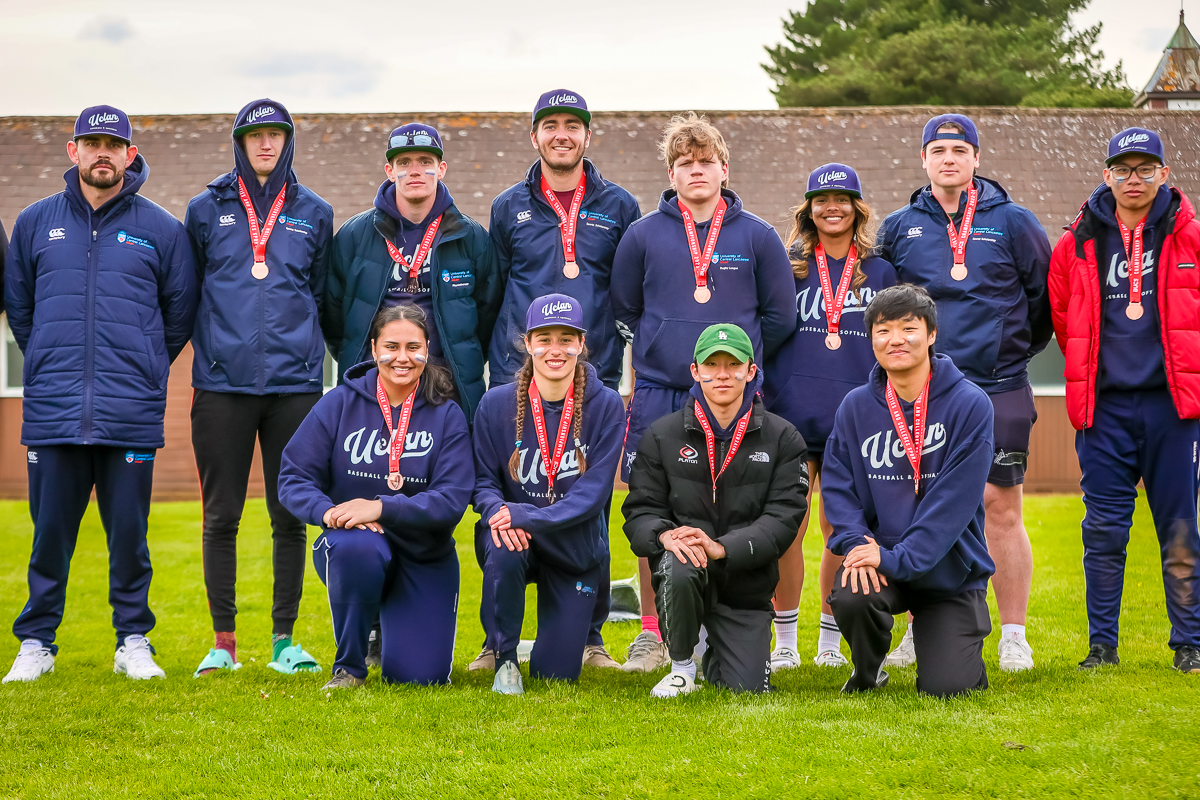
89	365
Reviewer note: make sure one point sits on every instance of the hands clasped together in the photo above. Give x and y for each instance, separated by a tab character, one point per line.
358	513
692	544
504	532
860	568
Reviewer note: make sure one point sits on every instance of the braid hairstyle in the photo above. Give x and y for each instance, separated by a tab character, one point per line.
524	376
577	423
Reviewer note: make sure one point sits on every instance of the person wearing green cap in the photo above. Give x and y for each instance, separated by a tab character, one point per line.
716	495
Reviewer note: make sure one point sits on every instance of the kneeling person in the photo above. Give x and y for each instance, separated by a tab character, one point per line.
714	555
904	475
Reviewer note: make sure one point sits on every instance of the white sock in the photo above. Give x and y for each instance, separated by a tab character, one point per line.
702	645
1016	630
686	667
908	633
830	637
785	628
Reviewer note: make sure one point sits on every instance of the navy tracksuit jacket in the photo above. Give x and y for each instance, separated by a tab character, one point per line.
408	577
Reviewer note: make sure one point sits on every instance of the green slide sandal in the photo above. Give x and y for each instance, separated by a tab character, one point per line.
292	659
216	659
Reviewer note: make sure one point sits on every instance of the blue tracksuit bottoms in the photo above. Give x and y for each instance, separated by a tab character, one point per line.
1139	435
648	404
416	605
61	479
566	602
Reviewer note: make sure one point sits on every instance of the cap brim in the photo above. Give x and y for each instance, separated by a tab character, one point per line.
816	192
703	355
118	137
394	151
578	112
244	129
555	325
1108	161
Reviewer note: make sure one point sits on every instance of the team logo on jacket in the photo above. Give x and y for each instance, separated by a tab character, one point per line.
760	457
914	232
32	456
128	238
884	449
579	587
416	444
138	458
688	455
226	219
57	233
527	474
523	216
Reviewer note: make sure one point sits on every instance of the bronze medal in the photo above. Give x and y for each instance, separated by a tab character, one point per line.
1134	310
959	272
395	481
571	270
259	270
833	341
702	294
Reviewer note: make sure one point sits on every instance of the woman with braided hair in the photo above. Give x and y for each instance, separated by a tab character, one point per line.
546	452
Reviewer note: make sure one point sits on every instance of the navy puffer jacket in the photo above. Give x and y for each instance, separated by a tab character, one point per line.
100	302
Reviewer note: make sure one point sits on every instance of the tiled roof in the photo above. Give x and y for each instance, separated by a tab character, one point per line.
1179	69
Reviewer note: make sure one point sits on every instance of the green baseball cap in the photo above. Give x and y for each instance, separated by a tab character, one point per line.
724	337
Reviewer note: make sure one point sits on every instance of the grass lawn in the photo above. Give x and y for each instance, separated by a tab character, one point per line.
1128	731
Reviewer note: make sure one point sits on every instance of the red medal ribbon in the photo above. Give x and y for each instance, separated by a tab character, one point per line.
700	261
564	427
1134	259
258	239
912	448
739	433
422	250
958	239
834	303
569	222
398	435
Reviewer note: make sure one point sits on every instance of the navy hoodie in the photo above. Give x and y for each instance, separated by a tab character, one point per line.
340	453
653	283
805	380
529	254
572	532
259	336
408	239
932	542
1131	353
998	317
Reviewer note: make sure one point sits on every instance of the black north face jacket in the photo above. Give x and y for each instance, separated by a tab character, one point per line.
761	498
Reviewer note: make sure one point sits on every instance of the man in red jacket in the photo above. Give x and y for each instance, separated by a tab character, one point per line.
1125	289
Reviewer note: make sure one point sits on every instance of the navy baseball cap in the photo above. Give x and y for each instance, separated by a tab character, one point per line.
414	136
1135	140
104	120
558	101
833	178
265	113
554	309
970	133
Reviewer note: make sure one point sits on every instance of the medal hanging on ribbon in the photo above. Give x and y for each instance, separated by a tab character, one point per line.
834	302
413	284
1133	265
564	428
258	238
700	261
568	222
958	239
397	436
913	442
739	433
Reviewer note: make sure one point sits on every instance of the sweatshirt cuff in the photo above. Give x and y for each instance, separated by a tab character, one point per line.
739	552
519	515
889	563
392	515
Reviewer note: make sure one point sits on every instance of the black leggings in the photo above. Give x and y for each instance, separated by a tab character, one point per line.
224	429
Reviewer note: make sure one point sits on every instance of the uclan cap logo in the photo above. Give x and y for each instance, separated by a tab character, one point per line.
563	99
556	307
832	176
1133	138
258	113
102	119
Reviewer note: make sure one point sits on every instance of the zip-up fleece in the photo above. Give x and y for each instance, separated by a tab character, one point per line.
528	243
998	317
1075	298
572	532
932	541
259	336
761	497
805	380
750	278
100	302
340	452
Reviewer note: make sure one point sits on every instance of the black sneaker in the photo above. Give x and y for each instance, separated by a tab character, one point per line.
850	687
375	649
1100	654
1187	659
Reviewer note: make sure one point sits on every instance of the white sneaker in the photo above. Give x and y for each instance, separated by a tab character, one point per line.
1015	654
508	679
135	658
905	654
674	684
646	654
784	658
830	658
32	662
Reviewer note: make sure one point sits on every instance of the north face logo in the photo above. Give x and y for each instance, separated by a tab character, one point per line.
760	457
226	219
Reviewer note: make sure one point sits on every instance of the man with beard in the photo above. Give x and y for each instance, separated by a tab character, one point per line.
101	296
261	241
556	232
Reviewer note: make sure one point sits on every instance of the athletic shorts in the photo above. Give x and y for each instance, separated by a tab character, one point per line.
1015	415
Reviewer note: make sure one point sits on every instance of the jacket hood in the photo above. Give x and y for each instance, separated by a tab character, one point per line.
991	194
1104	205
385	201
262	196
135	176
669	204
748	394
595	181
945	377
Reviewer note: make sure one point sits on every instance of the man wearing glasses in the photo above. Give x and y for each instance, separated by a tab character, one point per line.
1124	293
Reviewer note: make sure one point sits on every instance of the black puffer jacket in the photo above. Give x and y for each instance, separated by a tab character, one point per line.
761	498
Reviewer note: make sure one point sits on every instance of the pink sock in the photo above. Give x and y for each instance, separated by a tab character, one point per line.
227	642
651	624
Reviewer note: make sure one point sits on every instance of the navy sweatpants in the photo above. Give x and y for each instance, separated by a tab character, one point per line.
649	403
566	602
1140	435
416	605
61	478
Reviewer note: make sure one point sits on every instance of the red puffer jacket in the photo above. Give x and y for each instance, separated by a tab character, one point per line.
1075	306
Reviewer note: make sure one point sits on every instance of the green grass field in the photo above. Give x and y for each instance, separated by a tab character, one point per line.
1129	731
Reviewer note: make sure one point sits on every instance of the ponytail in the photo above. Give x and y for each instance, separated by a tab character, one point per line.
577	426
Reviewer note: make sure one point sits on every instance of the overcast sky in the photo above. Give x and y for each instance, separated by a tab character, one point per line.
166	56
